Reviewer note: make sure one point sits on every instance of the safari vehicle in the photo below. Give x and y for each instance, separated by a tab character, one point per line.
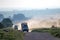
24	27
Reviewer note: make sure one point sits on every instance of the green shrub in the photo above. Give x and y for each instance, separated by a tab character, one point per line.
55	32
11	34
7	22
1	26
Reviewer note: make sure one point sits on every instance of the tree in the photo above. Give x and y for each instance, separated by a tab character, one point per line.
7	22
19	17
1	26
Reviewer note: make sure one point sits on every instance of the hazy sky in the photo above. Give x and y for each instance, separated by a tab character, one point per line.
29	4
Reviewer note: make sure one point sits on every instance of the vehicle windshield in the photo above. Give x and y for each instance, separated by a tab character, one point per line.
25	26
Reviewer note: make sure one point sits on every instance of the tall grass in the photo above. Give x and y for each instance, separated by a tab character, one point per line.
10	34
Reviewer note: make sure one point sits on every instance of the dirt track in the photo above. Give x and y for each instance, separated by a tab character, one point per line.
39	36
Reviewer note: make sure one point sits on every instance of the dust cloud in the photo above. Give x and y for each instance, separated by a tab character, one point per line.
35	23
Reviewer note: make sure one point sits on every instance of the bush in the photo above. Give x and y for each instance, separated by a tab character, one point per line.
1	26
55	32
7	22
10	34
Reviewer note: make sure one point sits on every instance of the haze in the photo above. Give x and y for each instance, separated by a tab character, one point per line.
29	4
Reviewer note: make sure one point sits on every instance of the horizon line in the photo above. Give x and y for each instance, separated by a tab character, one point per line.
12	9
